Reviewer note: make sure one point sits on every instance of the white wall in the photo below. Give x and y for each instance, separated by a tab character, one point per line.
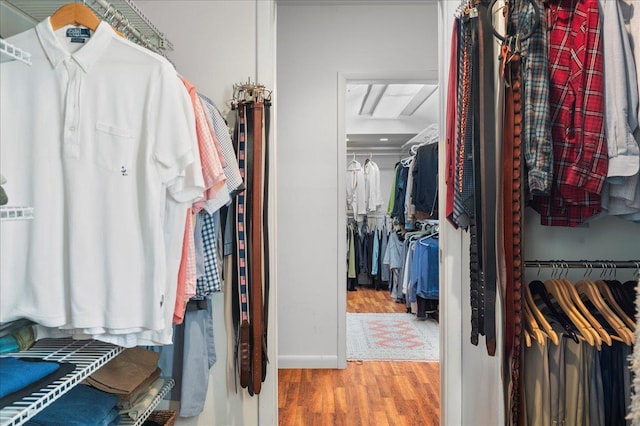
315	43
608	238
471	390
216	44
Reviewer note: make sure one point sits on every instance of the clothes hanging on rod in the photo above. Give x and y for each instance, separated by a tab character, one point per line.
365	244
607	149
577	357
135	294
413	269
364	195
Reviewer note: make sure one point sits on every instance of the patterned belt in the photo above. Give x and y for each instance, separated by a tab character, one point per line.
243	352
512	222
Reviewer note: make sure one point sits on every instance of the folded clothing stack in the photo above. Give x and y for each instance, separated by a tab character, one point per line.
130	376
140	404
16	336
80	406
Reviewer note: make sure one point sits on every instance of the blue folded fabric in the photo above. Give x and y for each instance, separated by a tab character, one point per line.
8	344
65	368
16	374
113	418
81	406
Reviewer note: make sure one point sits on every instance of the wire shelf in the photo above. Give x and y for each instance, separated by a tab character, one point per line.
126	15
9	52
15	213
168	385
87	355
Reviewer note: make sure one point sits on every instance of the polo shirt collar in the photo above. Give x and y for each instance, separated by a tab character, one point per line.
86	56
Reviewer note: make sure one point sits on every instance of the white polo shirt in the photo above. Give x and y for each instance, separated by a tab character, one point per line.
92	136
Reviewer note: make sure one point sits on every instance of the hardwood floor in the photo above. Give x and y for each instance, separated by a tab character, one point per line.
369	393
368	300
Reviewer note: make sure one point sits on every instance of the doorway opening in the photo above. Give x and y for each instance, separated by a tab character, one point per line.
391	246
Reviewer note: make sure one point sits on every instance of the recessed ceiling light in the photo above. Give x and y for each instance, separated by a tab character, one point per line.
384	139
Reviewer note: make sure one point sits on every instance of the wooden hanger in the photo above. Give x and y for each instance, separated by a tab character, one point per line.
592	326
527	338
565	302
77	14
573	293
538	290
590	290
605	291
531	325
539	316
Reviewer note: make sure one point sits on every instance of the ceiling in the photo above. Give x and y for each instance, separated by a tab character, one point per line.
383	117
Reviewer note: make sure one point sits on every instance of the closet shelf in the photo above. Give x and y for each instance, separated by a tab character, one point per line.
87	355
15	213
168	385
124	15
9	52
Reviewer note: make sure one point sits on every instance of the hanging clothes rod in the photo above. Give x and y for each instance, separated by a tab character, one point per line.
583	264
369	215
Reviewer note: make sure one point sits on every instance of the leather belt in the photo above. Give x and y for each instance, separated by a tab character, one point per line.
512	222
464	190
255	231
265	233
486	188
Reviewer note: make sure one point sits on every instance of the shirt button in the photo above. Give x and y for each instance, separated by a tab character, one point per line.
72	129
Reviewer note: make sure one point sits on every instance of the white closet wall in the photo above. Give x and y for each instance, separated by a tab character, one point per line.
317	41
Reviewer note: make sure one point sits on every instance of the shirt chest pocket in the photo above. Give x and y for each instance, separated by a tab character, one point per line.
112	150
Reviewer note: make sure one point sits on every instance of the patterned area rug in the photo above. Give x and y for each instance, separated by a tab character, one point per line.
394	337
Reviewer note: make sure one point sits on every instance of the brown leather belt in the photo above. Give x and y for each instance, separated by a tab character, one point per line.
256	248
512	222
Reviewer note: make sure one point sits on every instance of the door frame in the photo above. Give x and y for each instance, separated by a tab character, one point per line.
343	79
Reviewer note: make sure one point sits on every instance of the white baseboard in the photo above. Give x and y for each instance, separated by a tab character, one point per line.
308	361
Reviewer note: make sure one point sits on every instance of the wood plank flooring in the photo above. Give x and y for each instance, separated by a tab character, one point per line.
368	300
370	393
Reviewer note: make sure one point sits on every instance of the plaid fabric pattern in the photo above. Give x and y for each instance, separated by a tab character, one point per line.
577	113
221	131
536	126
211	281
240	220
192	274
181	298
212	172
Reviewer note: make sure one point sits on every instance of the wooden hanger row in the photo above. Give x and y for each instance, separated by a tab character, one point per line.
586	311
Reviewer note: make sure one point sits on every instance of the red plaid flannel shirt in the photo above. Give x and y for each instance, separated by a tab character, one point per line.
577	113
